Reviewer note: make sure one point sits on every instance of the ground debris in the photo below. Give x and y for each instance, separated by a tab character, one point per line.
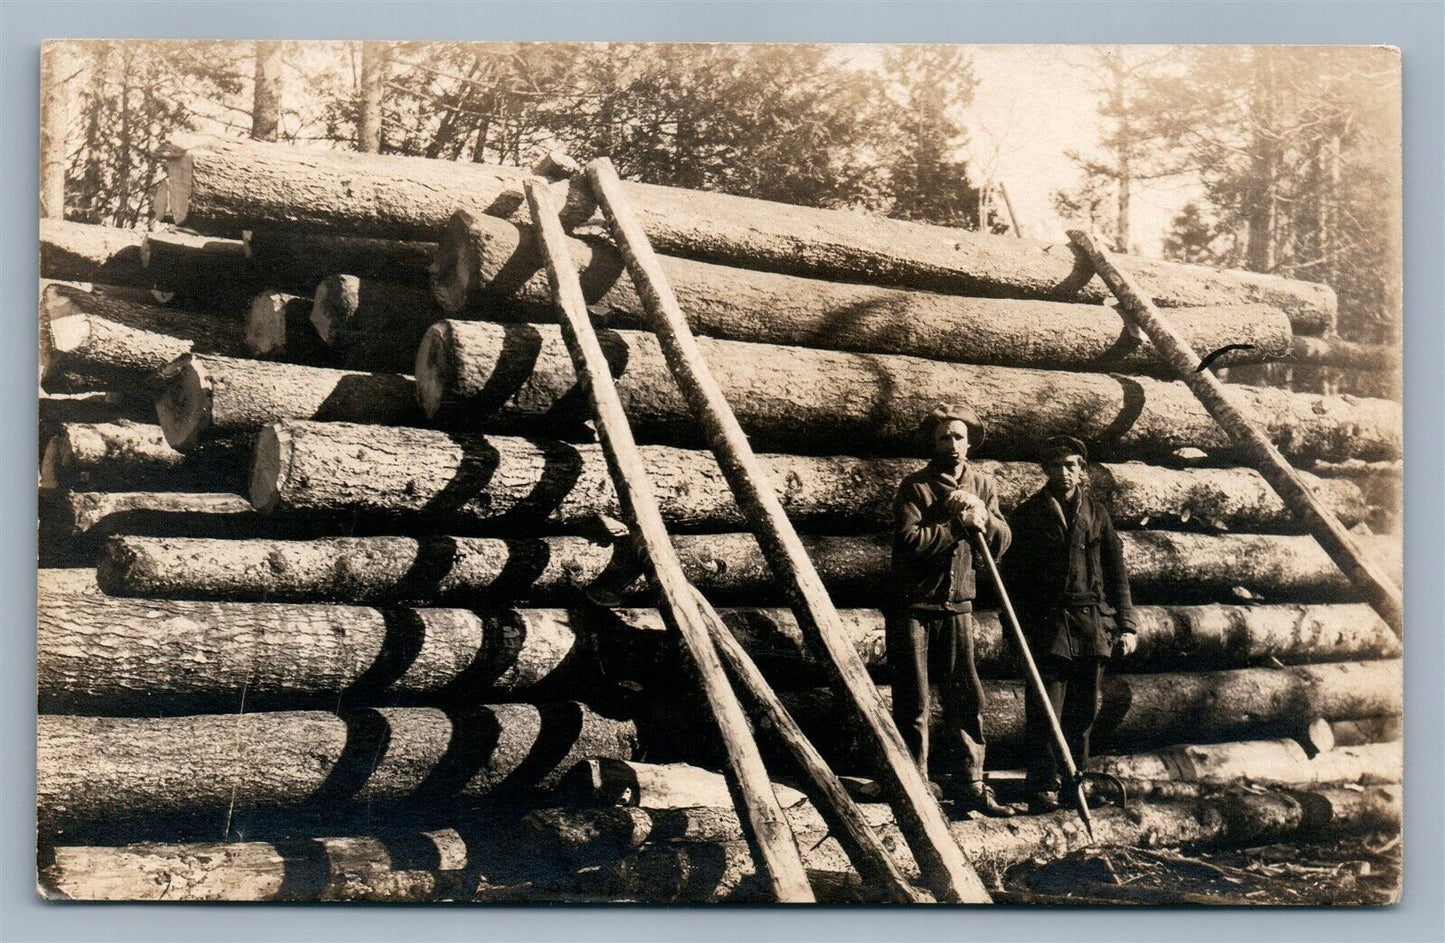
1345	872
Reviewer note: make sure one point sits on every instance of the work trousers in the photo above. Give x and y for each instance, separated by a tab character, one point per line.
1074	687
924	648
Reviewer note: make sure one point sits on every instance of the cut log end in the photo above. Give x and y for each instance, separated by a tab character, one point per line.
1319	737
184	410
272	461
334	305
266	324
434	367
456	260
51	462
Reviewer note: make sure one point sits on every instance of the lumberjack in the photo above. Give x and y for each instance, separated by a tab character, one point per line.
929	626
1072	594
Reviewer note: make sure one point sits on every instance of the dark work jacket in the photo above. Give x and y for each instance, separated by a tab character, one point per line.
1068	584
933	564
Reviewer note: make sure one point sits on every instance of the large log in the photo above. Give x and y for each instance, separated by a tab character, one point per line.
456	479
84	253
1279	761
710	863
203	266
370	324
278	327
218	515
300	260
487	266
226	186
206	395
1335	351
96	767
102	653
804	399
85	456
100	339
477	570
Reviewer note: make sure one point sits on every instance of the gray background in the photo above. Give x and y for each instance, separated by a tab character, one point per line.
1416	27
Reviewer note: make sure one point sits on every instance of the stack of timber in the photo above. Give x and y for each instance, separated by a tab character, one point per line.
334	604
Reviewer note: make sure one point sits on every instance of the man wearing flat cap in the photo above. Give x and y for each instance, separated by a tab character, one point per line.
1069	585
929	626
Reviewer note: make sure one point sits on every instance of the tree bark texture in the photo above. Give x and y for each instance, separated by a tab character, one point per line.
374	58
603	781
1334	351
81	252
93	767
122	455
266	91
460	480
372	325
298	261
54	128
217	515
207	395
690	855
223	187
278	327
508	376
106	654
96	339
1164	567
1279	761
489	267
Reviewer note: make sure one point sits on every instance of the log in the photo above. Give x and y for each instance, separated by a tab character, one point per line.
106	652
301	260
278	327
207	395
1367	730
799	399
99	339
226	186
1334	351
124	455
97	513
1275	761
460	480
372	325
195	265
81	252
444	863
1252	439
487	267
478	571
717	871
752	793
603	781
95	767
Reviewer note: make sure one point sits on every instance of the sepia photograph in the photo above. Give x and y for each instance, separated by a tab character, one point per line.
693	473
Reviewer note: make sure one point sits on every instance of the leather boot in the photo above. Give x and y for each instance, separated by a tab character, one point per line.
1042	801
978	797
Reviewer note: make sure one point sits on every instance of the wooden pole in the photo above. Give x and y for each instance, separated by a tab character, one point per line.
757	805
943	863
831	798
1363	572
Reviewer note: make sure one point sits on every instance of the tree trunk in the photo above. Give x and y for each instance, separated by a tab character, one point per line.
80	252
481	571
100	456
96	340
266	93
97	513
278	327
604	781
146	654
223	187
373	81
711	863
206	395
90	768
801	399
1278	761
488	266
54	128
372	325
707	872
1336	352
299	261
451	480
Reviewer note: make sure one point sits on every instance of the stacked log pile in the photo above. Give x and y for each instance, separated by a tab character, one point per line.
330	551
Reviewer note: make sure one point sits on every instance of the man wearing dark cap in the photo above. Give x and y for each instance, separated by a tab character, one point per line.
929	626
1069	585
